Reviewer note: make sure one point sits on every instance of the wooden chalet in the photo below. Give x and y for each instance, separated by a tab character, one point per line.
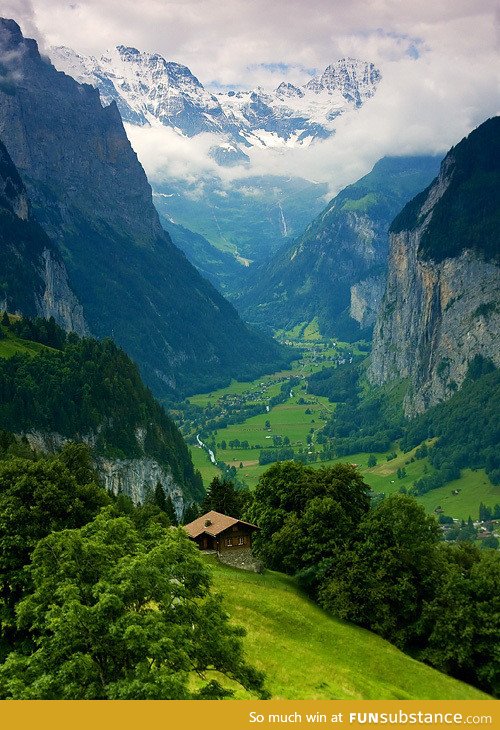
221	533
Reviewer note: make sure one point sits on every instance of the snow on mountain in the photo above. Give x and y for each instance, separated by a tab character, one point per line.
149	90
292	116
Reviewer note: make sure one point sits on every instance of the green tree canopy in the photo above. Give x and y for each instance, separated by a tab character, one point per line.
119	615
307	516
384	580
222	496
37	498
461	624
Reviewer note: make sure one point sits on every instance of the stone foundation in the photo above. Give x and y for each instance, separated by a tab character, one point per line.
240	558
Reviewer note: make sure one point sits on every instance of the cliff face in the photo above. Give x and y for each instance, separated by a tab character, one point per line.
35	281
91	196
136	478
439	312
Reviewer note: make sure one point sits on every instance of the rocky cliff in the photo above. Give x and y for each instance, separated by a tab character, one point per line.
91	195
34	278
136	478
441	306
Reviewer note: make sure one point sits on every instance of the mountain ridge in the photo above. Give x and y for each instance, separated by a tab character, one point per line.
440	307
91	195
336	269
152	91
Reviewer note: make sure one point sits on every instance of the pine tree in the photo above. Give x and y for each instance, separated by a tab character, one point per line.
170	511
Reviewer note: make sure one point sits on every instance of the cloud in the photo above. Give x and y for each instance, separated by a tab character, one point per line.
23	12
439	62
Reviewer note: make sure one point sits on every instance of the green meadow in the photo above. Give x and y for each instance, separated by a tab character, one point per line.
308	654
11	345
304	415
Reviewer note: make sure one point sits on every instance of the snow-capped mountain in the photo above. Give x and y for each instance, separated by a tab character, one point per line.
291	116
149	90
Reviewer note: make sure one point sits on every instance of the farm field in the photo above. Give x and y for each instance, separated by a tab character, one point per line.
296	421
201	462
336	661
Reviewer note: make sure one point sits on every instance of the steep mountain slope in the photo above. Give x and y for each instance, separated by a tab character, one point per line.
92	197
338	660
34	278
59	387
441	306
335	271
149	90
220	268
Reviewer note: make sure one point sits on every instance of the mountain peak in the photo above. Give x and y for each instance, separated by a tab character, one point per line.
150	90
288	90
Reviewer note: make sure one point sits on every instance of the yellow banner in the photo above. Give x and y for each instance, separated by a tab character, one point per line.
247	715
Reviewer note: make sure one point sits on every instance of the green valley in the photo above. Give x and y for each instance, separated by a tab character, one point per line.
296	422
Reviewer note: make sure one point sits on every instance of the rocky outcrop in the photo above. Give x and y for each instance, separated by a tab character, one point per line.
137	478
366	298
58	300
35	280
439	313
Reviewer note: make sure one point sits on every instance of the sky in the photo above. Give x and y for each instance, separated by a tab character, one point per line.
439	63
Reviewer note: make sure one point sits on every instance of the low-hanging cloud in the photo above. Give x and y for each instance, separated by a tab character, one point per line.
439	63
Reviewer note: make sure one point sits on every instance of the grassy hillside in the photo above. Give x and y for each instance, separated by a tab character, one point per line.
307	654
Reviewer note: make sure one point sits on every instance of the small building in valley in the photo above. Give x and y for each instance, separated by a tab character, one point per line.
229	537
215	531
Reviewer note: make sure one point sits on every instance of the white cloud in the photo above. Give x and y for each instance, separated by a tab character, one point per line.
439	62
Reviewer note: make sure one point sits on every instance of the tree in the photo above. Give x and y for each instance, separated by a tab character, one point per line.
390	572
5	319
307	517
170	511
372	460
461	624
222	496
159	497
191	512
119	615
37	498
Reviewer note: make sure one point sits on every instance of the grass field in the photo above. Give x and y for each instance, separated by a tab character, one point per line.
307	654
296	420
11	345
201	462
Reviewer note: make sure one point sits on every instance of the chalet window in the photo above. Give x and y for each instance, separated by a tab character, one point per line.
235	528
229	542
241	541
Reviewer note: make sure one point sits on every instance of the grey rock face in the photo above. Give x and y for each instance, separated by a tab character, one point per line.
35	278
366	298
436	316
58	300
136	478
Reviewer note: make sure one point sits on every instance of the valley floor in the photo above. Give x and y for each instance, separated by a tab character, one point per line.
301	416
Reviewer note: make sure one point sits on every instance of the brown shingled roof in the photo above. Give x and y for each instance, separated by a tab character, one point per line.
217	523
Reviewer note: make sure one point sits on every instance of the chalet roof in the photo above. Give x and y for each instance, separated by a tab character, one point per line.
213	523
